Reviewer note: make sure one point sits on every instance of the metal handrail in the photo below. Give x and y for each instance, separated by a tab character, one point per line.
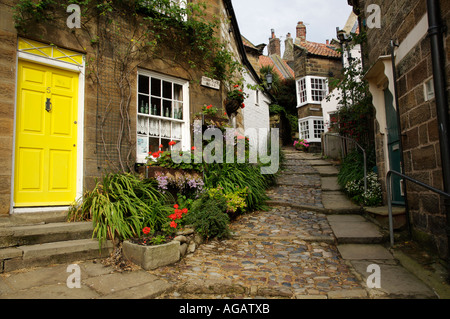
388	188
364	154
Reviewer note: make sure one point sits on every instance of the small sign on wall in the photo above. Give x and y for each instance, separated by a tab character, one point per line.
210	83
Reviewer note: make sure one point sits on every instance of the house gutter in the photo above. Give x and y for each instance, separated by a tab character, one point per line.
240	44
435	33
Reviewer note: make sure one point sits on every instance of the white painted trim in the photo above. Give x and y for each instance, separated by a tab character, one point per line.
27	210
186	129
80	121
412	39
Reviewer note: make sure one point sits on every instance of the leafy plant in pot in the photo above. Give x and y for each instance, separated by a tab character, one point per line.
235	100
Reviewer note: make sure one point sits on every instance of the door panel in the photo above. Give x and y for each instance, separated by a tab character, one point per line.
394	155
46	136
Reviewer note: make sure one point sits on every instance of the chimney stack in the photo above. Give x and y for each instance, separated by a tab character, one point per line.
274	44
288	48
301	31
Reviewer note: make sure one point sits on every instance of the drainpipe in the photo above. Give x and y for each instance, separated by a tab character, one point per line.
400	135
435	33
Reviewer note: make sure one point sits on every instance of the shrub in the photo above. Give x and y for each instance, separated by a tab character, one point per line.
120	206
232	176
208	216
373	195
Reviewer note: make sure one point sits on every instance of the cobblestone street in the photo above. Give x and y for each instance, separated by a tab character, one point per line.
284	252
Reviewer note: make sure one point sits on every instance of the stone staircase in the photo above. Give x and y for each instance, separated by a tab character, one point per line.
361	235
41	239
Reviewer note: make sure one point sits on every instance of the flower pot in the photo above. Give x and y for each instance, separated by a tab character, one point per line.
152	257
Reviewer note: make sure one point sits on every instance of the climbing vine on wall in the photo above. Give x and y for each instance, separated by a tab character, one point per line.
118	36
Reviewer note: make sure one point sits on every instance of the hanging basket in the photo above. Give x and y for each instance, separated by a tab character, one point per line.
232	106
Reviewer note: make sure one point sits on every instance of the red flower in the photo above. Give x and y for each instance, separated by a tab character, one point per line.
171	143
176	206
209	106
240	137
146	230
184	210
193	148
173	224
161	146
155	155
236	86
242	106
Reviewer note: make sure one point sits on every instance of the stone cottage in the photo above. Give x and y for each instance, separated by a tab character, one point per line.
407	62
314	63
82	94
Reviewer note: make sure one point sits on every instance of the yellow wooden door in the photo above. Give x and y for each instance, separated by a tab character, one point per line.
46	136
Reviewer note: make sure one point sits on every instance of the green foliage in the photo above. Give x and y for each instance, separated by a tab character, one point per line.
355	110
351	179
159	25
233	176
208	216
352	168
120	206
373	195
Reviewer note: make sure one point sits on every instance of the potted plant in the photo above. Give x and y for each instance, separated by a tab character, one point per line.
154	249
301	145
235	100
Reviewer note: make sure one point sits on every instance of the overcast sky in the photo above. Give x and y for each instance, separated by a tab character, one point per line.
257	17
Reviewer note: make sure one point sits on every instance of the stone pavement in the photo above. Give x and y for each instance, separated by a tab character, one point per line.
291	251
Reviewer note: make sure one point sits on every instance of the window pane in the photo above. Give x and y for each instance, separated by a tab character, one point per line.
178	111
143	107
176	131
167	108
178	92
156	87
165	129
153	127
167	90
143	84
142	125
156	106
153	145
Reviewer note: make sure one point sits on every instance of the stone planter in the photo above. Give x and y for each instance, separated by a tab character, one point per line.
152	257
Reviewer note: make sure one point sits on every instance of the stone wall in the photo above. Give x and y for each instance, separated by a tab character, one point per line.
77	41
417	116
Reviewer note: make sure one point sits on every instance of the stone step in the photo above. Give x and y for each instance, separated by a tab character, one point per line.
327	170
380	215
21	235
355	229
364	252
337	202
52	253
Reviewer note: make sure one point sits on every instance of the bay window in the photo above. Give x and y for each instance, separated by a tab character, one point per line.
311	90
311	128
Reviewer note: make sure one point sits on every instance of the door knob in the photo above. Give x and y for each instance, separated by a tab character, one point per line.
48	105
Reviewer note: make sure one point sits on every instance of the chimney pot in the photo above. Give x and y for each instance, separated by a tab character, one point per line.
301	31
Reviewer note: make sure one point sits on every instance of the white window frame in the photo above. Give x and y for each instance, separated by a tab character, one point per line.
144	120
306	90
311	128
